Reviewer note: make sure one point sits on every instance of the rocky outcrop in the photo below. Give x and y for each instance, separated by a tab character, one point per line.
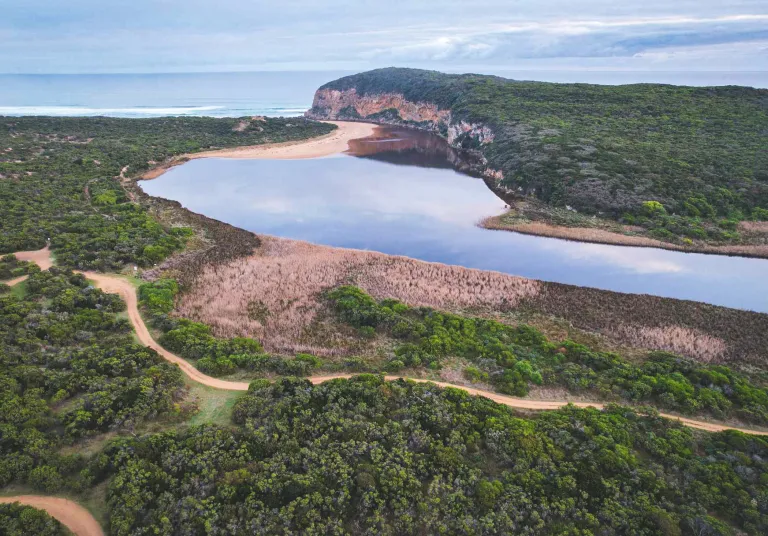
395	109
335	104
475	131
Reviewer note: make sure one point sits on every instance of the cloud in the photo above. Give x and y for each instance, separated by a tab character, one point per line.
184	35
582	39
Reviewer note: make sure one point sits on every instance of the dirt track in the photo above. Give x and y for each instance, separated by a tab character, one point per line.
68	513
116	284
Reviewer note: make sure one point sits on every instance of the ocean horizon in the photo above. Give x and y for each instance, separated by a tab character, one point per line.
268	93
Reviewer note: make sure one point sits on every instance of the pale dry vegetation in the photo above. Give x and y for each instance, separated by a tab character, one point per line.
677	339
286	279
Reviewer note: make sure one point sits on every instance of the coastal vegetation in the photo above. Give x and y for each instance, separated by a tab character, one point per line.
20	520
69	369
212	355
357	456
513	359
365	456
60	180
11	268
678	164
275	294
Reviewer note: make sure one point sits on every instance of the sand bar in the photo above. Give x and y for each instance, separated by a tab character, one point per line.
335	142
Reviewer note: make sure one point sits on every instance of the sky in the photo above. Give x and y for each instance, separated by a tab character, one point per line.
118	36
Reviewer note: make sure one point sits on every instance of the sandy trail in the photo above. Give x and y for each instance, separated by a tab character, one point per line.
15	280
41	257
118	285
68	513
330	144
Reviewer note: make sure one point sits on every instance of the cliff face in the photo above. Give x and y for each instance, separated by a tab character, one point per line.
395	109
347	104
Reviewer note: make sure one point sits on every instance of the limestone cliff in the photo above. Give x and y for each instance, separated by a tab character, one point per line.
394	109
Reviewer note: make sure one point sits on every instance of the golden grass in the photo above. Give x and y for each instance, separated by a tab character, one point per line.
287	277
677	339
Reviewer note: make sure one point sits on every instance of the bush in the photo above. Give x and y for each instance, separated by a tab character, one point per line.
514	358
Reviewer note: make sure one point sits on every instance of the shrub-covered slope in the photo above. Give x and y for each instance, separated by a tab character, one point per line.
70	369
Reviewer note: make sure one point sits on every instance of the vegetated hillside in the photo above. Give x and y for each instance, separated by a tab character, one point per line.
682	162
59	180
364	456
70	369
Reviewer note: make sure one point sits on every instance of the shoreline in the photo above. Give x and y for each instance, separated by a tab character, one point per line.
336	142
601	236
330	144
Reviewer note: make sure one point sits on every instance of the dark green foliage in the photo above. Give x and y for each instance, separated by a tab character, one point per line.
68	369
513	358
19	520
11	267
698	151
300	365
157	297
364	456
193	340
60	181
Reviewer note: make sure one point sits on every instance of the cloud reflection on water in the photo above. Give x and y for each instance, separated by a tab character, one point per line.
431	214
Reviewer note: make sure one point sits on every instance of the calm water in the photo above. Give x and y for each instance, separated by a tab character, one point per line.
407	201
261	93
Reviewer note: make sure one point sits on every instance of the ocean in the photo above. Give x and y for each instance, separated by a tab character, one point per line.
259	93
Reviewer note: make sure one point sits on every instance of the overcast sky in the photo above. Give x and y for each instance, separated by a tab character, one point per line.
94	36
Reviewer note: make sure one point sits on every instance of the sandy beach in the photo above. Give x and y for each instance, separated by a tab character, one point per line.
333	143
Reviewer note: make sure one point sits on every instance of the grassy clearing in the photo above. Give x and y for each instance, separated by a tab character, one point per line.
19	290
214	405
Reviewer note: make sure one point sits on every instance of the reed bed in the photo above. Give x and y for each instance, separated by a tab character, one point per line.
677	339
286	279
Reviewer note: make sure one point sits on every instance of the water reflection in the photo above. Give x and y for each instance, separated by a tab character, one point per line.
407	201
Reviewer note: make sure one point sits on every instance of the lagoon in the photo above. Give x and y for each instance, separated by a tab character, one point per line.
404	198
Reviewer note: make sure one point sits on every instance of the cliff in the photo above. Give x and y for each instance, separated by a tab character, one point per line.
394	108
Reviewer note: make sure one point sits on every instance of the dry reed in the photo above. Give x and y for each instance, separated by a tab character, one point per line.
677	339
287	277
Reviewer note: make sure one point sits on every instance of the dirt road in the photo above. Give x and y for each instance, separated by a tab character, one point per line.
121	286
68	513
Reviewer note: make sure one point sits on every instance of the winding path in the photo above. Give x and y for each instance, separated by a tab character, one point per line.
68	513
116	284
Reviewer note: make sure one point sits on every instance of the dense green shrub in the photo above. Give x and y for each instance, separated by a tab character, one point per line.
365	456
68	369
11	267
20	520
514	358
